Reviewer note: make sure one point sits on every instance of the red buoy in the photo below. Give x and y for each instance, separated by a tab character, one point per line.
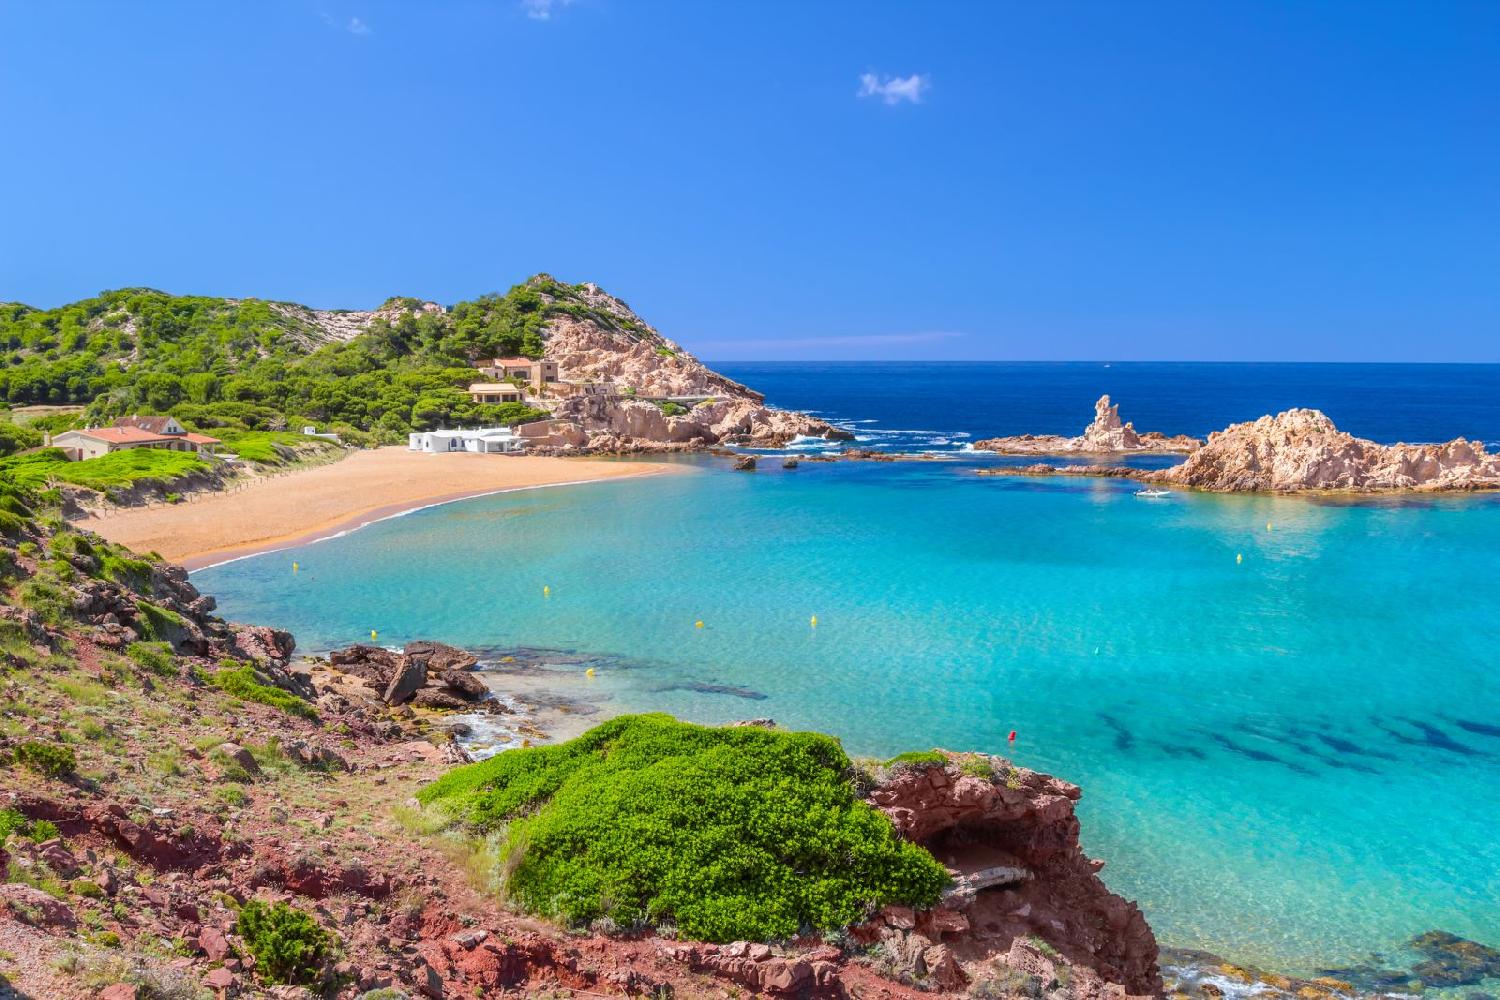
1012	735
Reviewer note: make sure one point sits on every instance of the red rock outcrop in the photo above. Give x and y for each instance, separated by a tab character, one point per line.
428	674
1010	837
1303	450
1105	435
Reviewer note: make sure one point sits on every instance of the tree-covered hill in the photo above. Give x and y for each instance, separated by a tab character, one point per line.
260	365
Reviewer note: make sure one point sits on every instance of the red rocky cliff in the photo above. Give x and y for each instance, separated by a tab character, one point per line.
1026	903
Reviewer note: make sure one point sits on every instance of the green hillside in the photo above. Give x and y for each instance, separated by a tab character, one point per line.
250	364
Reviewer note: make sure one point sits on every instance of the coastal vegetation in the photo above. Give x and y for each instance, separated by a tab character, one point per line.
288	945
240	365
732	833
239	680
117	470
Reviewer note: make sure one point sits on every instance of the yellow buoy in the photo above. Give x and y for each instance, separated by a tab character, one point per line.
1268	525
589	672
546	590
814	621
294	567
1239	557
373	634
698	623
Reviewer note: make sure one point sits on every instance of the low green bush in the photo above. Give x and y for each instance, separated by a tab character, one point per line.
734	833
917	758
154	657
670	408
978	767
128	572
239	680
288	945
52	759
157	622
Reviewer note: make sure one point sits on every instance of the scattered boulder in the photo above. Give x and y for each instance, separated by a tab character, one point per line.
35	907
745	463
244	758
410	675
441	657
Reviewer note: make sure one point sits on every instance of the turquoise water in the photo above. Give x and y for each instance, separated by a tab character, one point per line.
1293	760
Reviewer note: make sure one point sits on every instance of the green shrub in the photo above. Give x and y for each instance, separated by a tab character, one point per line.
670	408
127	572
11	821
157	622
231	795
52	759
728	833
917	758
239	680
43	830
86	888
288	945
978	767
12	525
155	657
46	599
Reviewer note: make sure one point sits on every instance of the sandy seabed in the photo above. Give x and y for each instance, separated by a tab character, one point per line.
292	509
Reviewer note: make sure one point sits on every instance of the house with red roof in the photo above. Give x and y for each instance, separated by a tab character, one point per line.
134	432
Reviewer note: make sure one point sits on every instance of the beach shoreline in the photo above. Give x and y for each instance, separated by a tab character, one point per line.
331	500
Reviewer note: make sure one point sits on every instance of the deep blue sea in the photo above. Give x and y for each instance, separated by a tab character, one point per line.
943	404
1284	712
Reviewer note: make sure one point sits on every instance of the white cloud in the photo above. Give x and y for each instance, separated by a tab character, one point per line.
894	89
354	25
541	10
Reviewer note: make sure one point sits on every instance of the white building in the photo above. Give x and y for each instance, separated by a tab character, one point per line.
483	440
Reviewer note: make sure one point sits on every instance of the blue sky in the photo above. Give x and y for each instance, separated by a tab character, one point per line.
1103	180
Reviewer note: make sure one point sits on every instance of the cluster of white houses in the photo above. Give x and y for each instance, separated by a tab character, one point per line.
133	432
509	380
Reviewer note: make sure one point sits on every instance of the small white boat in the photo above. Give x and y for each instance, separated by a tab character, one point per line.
1153	494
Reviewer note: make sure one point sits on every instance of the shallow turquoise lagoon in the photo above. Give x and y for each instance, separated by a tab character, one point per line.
1291	760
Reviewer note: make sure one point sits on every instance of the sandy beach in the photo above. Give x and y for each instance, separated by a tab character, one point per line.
368	485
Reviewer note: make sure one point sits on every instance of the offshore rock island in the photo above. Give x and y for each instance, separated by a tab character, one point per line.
1105	435
1296	451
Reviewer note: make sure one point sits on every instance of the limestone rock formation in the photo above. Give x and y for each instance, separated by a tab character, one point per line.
624	351
1010	838
1303	450
1106	434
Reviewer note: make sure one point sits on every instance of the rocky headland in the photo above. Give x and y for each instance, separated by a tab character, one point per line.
670	401
1106	434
